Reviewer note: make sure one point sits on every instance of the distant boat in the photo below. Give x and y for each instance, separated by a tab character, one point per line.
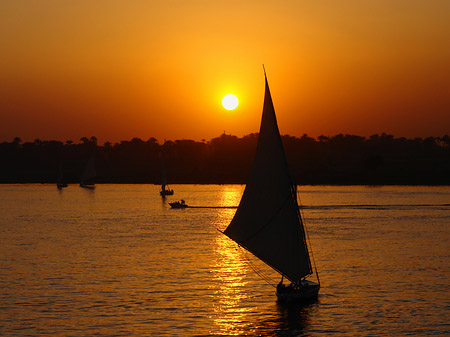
267	222
60	179
89	174
165	190
178	204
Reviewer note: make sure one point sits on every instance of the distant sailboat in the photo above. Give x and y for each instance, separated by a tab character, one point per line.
164	191
60	179
89	174
267	222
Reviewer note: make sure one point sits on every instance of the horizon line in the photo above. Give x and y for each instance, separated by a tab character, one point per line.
84	139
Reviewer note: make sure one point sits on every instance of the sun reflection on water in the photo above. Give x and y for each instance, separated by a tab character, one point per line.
229	268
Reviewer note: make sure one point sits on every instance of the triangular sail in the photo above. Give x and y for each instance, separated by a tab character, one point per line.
59	179
163	172
89	172
267	222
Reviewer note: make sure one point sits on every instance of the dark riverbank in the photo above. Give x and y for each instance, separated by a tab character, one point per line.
339	160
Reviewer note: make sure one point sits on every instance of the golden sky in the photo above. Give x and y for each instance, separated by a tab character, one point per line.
137	68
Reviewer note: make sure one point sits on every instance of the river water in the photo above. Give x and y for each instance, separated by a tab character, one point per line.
118	261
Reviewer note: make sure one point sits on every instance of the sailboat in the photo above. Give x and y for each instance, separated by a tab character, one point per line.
60	179
267	222
164	191
89	174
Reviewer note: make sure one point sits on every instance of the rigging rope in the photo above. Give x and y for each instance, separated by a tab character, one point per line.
265	278
307	236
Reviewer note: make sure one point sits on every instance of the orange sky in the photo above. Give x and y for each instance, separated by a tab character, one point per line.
124	69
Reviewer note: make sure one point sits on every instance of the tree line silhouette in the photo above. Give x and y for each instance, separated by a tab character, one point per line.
341	159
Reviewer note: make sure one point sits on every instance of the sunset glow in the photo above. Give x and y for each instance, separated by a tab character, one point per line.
154	69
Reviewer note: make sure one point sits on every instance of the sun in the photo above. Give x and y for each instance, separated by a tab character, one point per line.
230	102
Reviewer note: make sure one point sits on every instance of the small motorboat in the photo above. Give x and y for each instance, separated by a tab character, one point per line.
178	204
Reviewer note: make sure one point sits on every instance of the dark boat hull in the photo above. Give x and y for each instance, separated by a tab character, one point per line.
166	192
88	186
305	292
177	205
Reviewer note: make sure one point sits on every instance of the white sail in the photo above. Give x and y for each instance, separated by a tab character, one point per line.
267	222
